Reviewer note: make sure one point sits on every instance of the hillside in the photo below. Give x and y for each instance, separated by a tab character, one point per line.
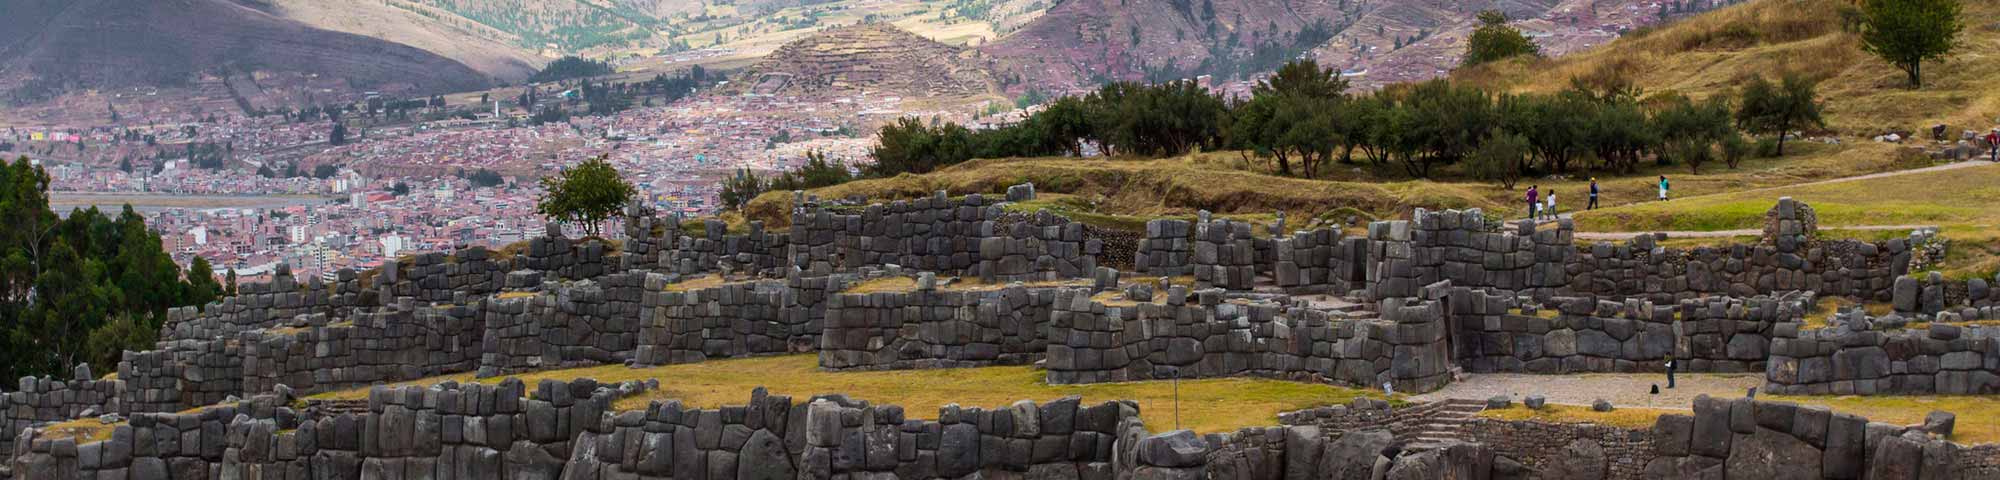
1380	41
490	51
57	45
877	58
1717	52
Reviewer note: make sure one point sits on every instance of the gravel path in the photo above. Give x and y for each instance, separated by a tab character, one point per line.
1622	389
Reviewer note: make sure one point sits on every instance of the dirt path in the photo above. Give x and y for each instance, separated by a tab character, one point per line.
1622	389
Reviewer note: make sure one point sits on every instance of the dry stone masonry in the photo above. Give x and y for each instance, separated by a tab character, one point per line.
946	282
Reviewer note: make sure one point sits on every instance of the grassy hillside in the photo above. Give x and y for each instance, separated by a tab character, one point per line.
1152	187
1718	51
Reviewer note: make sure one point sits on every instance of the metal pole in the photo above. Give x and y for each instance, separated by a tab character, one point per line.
1177	399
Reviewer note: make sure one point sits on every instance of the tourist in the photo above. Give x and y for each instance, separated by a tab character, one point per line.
1593	194
1533	201
1550	210
1663	188
1993	142
1671	365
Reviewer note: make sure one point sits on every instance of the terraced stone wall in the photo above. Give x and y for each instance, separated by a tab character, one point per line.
1584	334
971	236
380	347
46	399
1844	360
1463	248
765	317
930	327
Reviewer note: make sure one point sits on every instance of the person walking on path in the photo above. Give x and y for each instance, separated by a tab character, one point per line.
1549	211
1993	142
1663	188
1533	202
1671	365
1593	194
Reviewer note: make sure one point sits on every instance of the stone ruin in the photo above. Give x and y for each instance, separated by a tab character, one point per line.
949	282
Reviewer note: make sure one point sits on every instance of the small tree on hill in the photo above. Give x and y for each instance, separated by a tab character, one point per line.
1908	32
740	188
339	135
1495	40
1498	159
587	194
1778	109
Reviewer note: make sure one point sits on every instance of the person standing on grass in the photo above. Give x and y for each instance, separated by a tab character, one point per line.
1593	194
1671	365
1663	188
1550	211
1533	202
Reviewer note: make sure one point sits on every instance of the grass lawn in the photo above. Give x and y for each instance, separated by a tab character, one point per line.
1977	423
1964	196
1207	405
1634	418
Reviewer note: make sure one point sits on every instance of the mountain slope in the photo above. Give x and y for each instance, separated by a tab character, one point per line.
877	58
114	43
1080	42
1718	51
493	52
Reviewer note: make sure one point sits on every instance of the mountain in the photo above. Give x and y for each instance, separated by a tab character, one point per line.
491	51
51	46
876	58
1079	43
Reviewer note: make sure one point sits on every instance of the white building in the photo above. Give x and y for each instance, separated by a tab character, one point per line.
200	235
391	244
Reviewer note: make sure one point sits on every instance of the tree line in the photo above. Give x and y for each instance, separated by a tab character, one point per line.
1303	117
82	288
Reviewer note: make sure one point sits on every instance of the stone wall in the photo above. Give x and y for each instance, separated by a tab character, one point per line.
1759	439
378	347
1848	359
1215	336
733	320
1226	254
182	374
1319	260
929	327
1167	249
1460	247
1583	334
971	236
582	323
46	399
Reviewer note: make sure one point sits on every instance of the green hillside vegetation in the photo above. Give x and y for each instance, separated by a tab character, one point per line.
1719	51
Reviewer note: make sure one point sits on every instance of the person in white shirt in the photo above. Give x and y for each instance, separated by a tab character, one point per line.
1550	210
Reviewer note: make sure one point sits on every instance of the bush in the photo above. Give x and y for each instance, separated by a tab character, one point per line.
1767	147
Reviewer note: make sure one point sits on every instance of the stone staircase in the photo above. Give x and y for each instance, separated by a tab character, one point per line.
1447	424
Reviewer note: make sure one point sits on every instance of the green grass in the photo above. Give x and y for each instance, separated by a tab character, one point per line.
1976	422
1631	418
1206	405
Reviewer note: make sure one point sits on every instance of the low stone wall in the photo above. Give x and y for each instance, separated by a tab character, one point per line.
728	321
1941	359
1758	439
1167	249
971	236
381	347
1460	247
1713	334
1320	259
1213	336
1226	255
936	328
583	323
182	374
45	399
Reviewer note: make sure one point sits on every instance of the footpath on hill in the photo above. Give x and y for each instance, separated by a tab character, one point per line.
1631	390
1754	232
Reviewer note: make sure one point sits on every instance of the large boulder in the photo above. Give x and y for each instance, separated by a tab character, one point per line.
1352	456
1175	449
1768	454
1582	459
764	458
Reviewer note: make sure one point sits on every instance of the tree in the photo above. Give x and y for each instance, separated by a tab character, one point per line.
399	189
1302	78
1499	158
229	288
586	194
201	282
1734	149
1906	33
325	170
1690	130
739	189
1495	40
1779	109
339	135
